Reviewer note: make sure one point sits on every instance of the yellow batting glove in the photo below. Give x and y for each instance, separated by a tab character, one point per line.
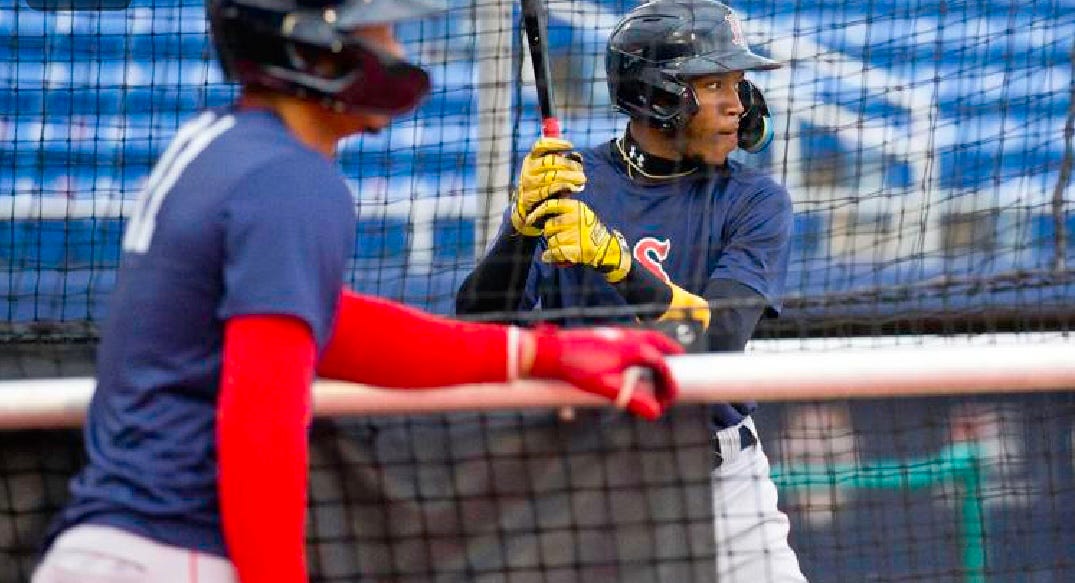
549	170
576	236
687	306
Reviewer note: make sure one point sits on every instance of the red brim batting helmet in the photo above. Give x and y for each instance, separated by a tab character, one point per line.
308	48
657	48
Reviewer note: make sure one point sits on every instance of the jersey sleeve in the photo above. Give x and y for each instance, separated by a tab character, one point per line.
290	229
756	242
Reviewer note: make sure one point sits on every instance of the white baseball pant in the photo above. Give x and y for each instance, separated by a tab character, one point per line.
751	532
91	553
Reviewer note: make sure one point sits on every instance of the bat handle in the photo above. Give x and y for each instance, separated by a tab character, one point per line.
550	127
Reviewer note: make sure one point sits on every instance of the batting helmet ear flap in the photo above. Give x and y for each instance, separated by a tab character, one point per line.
646	92
755	124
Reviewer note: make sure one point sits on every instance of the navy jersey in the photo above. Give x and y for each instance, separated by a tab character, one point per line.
734	224
238	217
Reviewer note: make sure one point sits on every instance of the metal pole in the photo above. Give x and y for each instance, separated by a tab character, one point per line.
1062	181
494	26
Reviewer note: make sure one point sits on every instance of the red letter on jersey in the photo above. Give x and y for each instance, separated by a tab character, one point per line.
650	252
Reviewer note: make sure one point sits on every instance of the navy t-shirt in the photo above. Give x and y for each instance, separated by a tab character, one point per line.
238	217
730	224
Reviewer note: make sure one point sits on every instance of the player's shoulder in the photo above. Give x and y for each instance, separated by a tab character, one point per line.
260	138
266	162
754	183
750	177
227	146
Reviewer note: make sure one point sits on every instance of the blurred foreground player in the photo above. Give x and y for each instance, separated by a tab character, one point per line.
660	225
230	298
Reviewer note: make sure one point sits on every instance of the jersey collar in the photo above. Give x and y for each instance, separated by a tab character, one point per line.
629	155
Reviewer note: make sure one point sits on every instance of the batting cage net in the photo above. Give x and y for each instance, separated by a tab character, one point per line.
901	459
926	146
927	149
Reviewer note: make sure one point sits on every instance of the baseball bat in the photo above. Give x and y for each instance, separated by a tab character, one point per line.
536	39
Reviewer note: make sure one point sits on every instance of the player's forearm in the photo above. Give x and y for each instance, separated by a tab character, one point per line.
264	410
382	343
498	282
644	290
736	310
728	310
374	343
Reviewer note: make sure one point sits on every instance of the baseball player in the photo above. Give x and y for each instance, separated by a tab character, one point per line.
230	298
660	225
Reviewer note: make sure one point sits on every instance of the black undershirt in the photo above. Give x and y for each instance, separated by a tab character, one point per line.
498	282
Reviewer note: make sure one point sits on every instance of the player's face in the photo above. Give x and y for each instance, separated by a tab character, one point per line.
382	36
712	133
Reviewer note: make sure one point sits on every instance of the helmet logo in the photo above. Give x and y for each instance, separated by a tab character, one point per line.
737	29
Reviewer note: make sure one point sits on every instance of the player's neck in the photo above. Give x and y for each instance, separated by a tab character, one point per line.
643	162
654	142
305	119
662	154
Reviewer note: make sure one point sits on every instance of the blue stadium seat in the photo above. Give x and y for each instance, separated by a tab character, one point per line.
156	46
457	74
176	100
19	103
969	57
94	242
61	244
74	46
145	70
381	239
419	162
433	291
808	235
449	102
72	295
33	244
970	166
1049	104
1044	236
37	103
385	280
453	239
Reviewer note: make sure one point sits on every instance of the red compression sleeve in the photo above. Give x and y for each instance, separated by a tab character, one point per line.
385	344
262	416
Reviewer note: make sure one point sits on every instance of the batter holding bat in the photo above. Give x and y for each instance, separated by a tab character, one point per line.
230	298
660	225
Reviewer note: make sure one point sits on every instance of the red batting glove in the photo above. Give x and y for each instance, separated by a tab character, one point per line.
596	360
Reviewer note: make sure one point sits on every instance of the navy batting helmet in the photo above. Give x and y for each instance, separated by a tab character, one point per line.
307	48
657	48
